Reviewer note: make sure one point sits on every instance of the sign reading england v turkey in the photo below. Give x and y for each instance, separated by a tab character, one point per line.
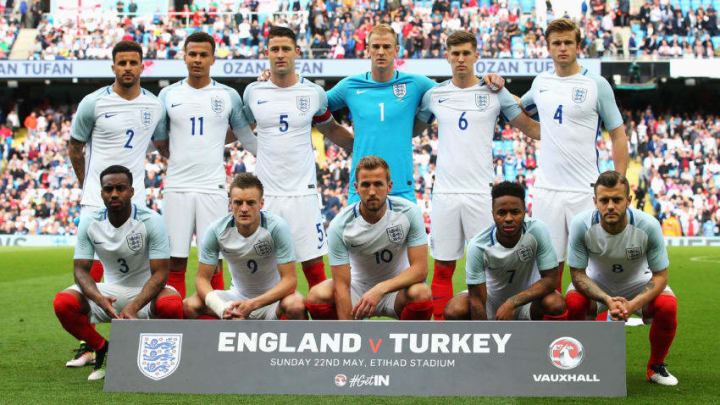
368	357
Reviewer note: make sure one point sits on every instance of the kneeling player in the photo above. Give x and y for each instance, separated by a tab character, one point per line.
132	245
258	248
618	261
378	255
511	269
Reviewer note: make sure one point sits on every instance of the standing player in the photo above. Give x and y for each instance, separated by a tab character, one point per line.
383	103
467	112
284	110
378	255
132	244
199	111
618	261
116	123
258	248
571	104
511	268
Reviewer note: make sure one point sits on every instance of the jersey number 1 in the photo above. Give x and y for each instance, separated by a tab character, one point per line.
382	111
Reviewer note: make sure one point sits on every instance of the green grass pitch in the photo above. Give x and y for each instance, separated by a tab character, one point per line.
34	347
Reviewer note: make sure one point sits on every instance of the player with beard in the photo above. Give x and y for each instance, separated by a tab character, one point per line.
618	262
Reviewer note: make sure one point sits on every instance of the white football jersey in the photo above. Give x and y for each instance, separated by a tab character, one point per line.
284	117
376	252
508	271
571	110
466	125
253	260
125	252
197	122
618	263
117	132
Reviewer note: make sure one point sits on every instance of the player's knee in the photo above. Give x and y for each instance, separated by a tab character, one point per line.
665	311
456	310
419	292
577	306
192	307
293	307
65	303
554	304
169	307
321	293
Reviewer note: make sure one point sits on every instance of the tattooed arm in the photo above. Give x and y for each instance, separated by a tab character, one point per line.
548	280
585	286
653	288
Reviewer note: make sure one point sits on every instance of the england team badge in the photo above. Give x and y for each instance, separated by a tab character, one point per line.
159	354
263	248
134	241
482	101
524	253
400	90
633	253
302	103
395	234
217	104
146	117
579	94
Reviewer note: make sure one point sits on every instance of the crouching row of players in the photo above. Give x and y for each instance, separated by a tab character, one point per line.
378	256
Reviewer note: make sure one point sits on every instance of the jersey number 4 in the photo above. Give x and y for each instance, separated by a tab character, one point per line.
558	114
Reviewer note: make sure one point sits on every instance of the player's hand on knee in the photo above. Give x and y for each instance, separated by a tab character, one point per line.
367	304
129	312
105	302
240	309
506	312
494	81
264	76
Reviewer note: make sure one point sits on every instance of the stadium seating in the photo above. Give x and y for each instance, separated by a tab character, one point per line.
61	39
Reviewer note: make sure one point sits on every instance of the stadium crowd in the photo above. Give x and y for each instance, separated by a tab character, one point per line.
680	174
333	29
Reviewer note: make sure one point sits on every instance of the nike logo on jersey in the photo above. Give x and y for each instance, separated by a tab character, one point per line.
96	242
110	115
442	100
175	105
361	91
262	101
543	90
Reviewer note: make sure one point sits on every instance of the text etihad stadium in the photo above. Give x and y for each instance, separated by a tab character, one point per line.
270	342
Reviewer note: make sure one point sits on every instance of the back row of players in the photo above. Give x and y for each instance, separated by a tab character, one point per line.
377	246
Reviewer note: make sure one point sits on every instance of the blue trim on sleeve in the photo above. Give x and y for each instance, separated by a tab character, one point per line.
504	117
531	107
598	134
431	119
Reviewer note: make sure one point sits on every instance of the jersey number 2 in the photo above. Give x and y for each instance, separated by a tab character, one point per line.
130	133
